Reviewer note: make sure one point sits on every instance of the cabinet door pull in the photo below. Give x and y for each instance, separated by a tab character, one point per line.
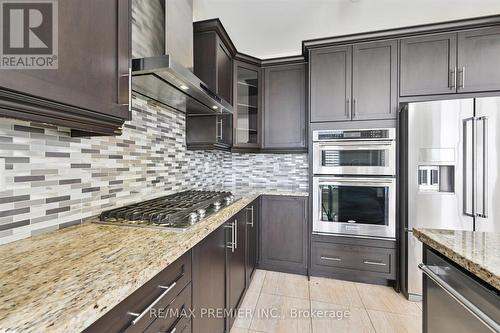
453	77
462	78
251	221
150	306
347	104
231	243
376	263
353	108
331	258
235	234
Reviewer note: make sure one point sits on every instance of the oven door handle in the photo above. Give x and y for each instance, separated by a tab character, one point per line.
361	181
373	144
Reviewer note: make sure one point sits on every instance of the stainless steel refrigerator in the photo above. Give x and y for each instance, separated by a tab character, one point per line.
450	164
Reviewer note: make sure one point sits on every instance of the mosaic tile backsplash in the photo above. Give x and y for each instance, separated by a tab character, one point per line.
49	180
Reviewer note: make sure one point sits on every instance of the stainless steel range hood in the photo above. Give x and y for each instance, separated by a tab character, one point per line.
162	45
163	80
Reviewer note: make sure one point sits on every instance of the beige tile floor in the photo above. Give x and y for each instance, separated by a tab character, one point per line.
287	303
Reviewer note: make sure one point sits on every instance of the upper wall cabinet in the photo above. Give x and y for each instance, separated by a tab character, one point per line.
374	81
89	89
430	65
479	60
330	83
284	107
354	82
247	106
213	57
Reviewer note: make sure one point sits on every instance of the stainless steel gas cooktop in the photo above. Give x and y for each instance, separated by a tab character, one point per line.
177	211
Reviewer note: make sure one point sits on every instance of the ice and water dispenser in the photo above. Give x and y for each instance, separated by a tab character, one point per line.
436	170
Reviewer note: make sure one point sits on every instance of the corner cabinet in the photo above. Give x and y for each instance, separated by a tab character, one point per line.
247	106
284	112
283	233
89	91
354	82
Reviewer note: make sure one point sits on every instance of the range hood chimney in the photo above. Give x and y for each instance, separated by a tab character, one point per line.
162	47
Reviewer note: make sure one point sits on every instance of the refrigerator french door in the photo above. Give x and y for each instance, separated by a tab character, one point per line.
450	162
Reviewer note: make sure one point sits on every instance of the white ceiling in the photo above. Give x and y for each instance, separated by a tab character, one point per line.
274	28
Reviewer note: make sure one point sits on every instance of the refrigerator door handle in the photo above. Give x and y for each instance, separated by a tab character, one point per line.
472	211
484	198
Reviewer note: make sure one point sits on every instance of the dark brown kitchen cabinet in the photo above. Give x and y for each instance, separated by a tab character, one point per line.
428	65
354	82
213	61
247	105
374	81
330	83
209	287
89	91
252	222
209	131
353	258
236	263
284	109
478	62
283	234
169	289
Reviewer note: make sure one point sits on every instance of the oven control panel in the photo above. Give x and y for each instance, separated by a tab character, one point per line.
363	134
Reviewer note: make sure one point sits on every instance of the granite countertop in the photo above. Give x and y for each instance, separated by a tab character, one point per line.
477	252
65	280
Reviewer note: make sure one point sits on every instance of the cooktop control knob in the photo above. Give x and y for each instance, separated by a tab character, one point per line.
193	218
201	213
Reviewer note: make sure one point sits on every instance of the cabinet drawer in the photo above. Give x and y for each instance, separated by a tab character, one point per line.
342	258
172	317
158	292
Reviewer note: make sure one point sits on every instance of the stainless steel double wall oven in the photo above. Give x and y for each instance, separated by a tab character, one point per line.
354	186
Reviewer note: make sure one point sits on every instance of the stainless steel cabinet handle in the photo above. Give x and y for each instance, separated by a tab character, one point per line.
231	243
453	76
462	78
347	104
353	108
331	258
143	313
235	234
464	302
129	84
376	263
251	222
219	129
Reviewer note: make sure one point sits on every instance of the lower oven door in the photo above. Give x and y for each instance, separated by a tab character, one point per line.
364	207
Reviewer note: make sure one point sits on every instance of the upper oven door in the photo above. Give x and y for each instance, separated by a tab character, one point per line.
354	158
354	206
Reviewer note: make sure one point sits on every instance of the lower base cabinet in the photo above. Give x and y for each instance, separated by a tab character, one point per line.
283	234
156	306
252	221
209	282
236	264
358	259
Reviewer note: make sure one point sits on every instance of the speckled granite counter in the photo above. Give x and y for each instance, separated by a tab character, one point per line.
63	281
477	252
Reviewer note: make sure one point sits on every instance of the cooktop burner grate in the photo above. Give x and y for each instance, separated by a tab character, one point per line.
179	210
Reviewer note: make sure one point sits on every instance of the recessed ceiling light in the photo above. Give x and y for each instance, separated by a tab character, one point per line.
215	107
184	87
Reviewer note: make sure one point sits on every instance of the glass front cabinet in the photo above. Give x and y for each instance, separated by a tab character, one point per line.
247	105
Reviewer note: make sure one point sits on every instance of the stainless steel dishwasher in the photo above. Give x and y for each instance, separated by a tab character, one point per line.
456	302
